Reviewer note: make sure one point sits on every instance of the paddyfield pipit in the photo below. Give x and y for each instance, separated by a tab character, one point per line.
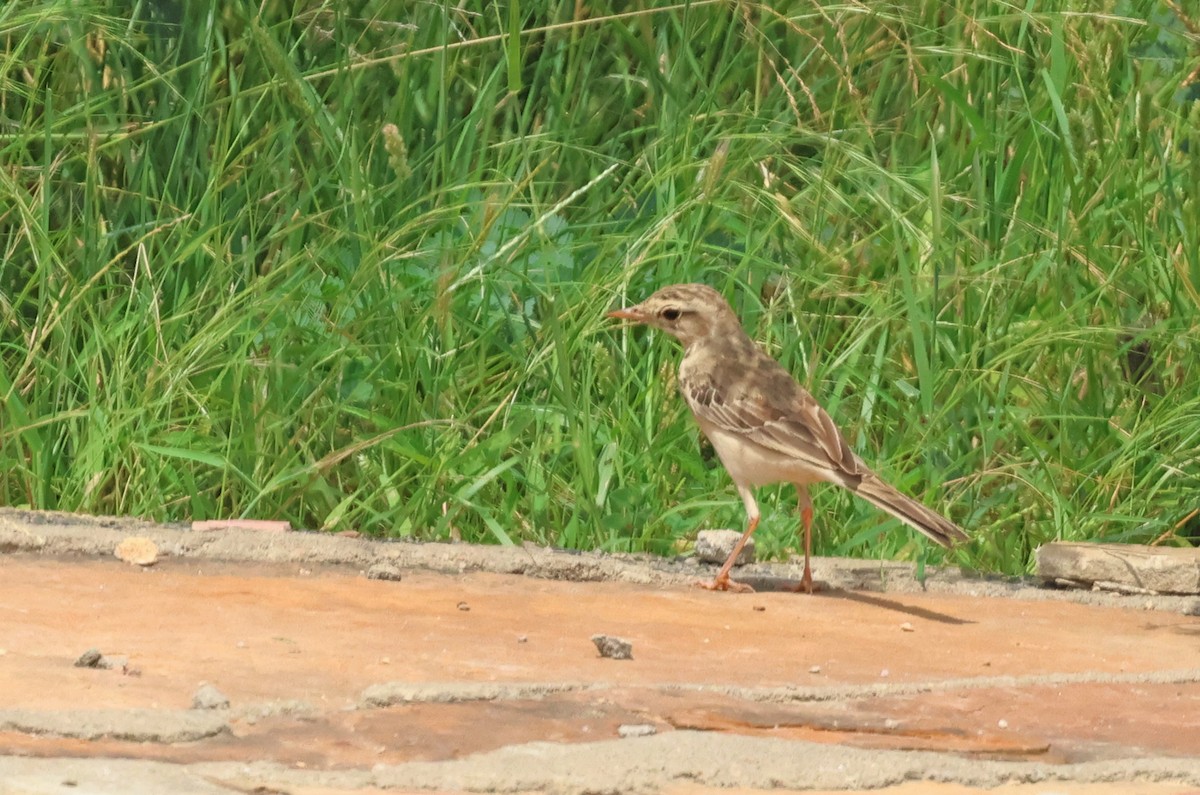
765	427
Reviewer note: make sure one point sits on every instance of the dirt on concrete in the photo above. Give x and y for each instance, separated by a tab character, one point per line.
476	672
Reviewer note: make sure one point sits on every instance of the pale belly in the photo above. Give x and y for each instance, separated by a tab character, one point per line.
751	465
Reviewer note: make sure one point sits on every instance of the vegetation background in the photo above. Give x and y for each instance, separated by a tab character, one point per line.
346	263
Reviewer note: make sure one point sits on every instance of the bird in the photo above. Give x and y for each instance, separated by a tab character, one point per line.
764	426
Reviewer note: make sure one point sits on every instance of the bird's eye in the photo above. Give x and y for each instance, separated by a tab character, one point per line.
671	314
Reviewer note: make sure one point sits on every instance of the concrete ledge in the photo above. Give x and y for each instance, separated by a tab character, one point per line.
57	534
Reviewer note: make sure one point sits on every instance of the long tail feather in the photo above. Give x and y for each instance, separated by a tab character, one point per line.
937	527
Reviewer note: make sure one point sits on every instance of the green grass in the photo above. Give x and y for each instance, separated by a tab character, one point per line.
347	263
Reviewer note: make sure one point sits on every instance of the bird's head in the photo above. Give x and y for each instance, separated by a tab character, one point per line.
689	312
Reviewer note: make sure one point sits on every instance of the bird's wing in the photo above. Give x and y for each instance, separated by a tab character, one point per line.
754	397
763	403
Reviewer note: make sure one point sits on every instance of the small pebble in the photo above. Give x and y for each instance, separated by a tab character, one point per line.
305	572
463	606
522	638
1002	723
92	658
885	672
385	660
208	697
906	627
384	571
636	730
891	723
612	647
816	669
759	608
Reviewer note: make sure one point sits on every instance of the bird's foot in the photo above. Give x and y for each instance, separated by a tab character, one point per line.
805	586
724	584
806	583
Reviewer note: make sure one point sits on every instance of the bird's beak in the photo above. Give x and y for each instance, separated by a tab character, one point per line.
628	313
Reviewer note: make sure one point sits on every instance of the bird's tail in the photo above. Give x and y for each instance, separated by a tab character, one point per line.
937	527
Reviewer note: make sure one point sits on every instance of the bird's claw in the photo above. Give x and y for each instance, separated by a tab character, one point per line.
724	584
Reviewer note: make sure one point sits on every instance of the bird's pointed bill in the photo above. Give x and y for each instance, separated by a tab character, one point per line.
628	313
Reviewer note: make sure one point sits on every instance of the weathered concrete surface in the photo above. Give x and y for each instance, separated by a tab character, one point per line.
464	679
672	765
1122	567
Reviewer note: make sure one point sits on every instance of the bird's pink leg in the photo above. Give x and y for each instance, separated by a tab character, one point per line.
806	517
722	582
806	580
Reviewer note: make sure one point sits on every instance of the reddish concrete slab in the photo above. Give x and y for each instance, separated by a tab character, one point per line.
262	633
991	679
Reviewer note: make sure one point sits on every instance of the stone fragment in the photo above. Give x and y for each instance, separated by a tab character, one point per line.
714	546
138	551
1122	567
612	647
208	697
384	571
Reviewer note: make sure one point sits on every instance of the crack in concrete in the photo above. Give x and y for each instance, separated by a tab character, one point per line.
388	694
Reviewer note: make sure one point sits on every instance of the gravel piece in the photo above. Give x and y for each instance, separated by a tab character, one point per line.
384	571
208	697
89	659
714	546
389	694
137	550
612	647
636	730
